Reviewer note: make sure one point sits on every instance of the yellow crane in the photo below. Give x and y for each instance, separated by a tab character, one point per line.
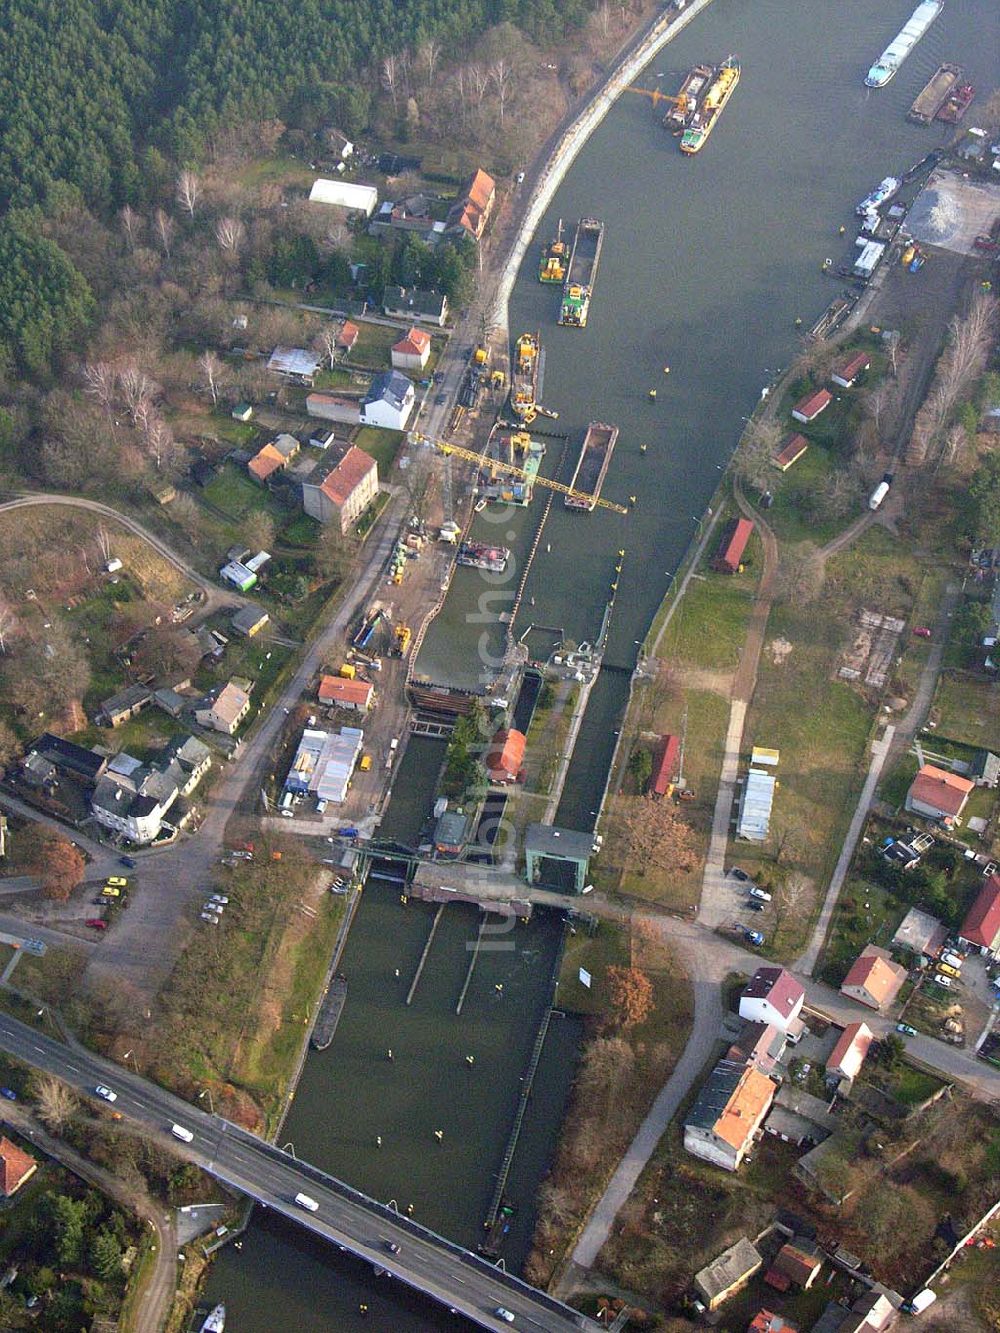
512	470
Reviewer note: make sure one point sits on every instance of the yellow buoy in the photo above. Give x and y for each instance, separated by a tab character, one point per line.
666	370
643	448
652	393
798	321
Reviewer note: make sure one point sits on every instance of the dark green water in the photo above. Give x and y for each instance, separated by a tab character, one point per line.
707	262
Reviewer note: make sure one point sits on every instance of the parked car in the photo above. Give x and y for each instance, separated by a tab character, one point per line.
741	875
761	895
210	917
950	971
990	868
209	906
922	632
753	936
219	898
116	882
941	980
95	923
906	1030
9	1093
128	861
104	1092
752	906
952	959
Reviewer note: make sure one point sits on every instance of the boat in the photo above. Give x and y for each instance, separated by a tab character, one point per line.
215	1320
553	263
727	76
583	262
881	194
903	43
934	94
481	555
686	103
592	466
957	104
524	383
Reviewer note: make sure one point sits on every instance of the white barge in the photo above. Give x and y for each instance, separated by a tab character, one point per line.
903	43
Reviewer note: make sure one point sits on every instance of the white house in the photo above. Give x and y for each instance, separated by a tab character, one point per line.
389	402
413	351
344	194
772	996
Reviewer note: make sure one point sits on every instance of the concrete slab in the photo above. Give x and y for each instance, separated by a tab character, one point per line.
951	211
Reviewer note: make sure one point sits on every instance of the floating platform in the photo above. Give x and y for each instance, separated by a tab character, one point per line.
330	1010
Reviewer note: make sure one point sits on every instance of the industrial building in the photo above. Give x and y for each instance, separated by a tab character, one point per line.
324	764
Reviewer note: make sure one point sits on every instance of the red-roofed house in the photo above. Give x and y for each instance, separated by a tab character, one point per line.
790	452
808	409
732	546
665	761
15	1167
356	694
981	927
766	1322
412	352
799	1261
772	996
347	337
471	210
848	1055
874	979
938	794
845	375
505	759
339	491
267	461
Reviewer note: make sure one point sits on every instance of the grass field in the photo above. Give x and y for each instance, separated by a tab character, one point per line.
232	491
382	445
710	623
374	344
967	708
789	516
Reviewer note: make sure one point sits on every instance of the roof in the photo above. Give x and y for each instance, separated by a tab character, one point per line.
920	932
335	764
293	361
249	618
266	461
286	445
132	697
451	829
852	368
506	753
757	1043
731	1102
813	403
416	343
348	334
230	703
665	759
791	449
755	805
189	751
732	1266
345	194
849	1054
339	481
734	541
389	387
471	208
940	789
985	765
875	973
15	1166
764	1321
778	987
65	754
340	690
420	302
545	840
982	924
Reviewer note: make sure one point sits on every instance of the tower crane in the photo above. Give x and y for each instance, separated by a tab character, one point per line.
511	469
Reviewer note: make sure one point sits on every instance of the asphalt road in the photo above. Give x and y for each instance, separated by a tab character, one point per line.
444	1271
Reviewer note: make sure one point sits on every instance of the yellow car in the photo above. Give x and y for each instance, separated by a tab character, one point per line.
116	882
949	971
366	763
108	892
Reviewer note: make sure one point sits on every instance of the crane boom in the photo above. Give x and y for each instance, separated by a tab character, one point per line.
470	456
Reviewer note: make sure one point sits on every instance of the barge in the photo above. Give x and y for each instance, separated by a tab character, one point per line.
481	555
881	194
957	104
688	99
934	94
583	262
524	382
552	267
592	466
329	1014
902	44
703	122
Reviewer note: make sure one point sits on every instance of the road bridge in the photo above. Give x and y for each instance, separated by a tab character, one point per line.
464	1282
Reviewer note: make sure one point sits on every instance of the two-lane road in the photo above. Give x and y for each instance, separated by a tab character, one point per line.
458	1279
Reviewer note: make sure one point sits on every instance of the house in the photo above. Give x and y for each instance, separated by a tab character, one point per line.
335	407
848	1055
985	769
732	546
265	463
758	1044
389	401
339	490
242	412
773	996
347	337
764	1321
227	711
133	798
666	766
722	1125
756	801
358	695
800	1118
294	363
414	213
799	1260
430	307
874	979
344	194
792	449
808	409
471	210
920	933
238	575
505	758
126	704
192	756
938	794
16	1166
451	832
413	351
324	764
981	927
728	1274
845	375
248	621
51	756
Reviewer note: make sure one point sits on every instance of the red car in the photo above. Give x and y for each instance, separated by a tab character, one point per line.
922	632
95	923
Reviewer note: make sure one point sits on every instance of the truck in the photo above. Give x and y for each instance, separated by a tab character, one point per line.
878	495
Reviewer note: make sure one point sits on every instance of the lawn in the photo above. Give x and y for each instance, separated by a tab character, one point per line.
594	952
373	345
232	491
332	379
710	624
866	913
967	708
301	531
382	445
791	516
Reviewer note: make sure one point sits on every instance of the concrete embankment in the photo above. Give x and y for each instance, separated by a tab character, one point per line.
661	31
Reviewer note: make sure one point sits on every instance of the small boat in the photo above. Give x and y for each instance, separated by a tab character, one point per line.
881	194
215	1320
957	104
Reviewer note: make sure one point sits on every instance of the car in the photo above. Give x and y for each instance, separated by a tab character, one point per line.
210	917
95	923
217	908
339	889
9	1093
104	1092
116	882
950	971
219	898
128	862
753	936
391	1246
109	894
99	902
941	980
906	1030
922	632
752	906
503	1313
740	875
761	895
440	398
952	959
990	868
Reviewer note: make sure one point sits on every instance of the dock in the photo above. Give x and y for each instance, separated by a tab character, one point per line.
329	1014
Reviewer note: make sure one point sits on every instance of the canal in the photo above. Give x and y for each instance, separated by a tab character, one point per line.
707	263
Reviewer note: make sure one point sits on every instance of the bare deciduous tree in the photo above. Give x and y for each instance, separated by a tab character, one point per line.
188	192
99	381
212	371
654	834
165	228
138	392
801	574
56	1100
230	234
326	343
752	460
390	79
427	58
501	72
160	442
131	226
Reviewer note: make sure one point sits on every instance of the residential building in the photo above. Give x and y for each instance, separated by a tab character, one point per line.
981	927
722	1125
765	1321
774	997
666	766
758	1044
800	1118
347	337
339	490
226	711
344	194
358	695
845	375
800	1261
389	401
728	1274
848	1055
16	1166
50	757
412	352
117	710
471	210
938	794
505	758
920	933
429	307
731	548
132	799
192	756
874	979
791	450
294	363
414	213
248	621
808	408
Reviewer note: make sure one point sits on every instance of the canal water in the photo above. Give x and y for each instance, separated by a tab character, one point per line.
707	263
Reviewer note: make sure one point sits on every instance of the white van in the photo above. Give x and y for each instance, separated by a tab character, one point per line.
304	1201
179	1132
